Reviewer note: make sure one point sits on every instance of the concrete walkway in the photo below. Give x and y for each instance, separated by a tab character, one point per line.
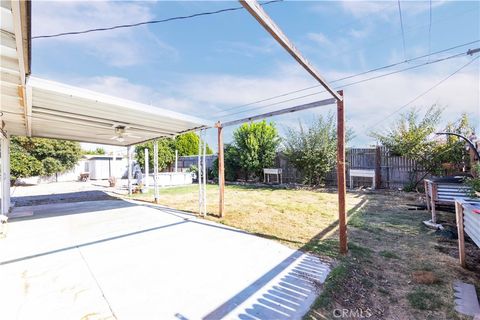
115	259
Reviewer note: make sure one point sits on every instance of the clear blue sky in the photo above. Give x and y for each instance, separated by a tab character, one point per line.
206	65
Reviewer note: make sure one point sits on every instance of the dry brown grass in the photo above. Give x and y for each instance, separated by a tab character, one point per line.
293	217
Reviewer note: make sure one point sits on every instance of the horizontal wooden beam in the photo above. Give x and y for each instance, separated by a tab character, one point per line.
283	111
262	17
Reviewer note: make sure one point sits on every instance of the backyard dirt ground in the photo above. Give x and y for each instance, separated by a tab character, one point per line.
396	267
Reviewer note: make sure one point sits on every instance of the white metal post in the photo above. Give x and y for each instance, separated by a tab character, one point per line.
155	170
147	170
129	153
176	160
5	154
199	173
114	164
204	173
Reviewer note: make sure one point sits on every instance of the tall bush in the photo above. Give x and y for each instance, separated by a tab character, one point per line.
313	149
256	144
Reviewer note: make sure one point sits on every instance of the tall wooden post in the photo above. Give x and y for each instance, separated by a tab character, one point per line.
221	171
378	168
461	234
341	181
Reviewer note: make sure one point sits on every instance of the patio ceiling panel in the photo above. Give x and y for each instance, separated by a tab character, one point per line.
67	112
12	70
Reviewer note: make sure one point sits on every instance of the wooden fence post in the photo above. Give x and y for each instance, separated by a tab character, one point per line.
378	168
461	235
342	214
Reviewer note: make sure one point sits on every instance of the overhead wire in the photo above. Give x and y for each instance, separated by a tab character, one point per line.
424	92
403	31
348	77
430	29
352	83
137	24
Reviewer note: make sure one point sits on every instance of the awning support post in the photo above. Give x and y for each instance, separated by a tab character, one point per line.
5	174
147	170
341	181
199	173
176	161
155	171
204	172
221	171
129	153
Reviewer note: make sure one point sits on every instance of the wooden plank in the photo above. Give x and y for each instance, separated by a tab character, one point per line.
461	235
221	173
341	181
262	17
282	111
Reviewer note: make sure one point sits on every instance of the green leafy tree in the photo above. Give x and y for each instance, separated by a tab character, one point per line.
166	153
231	163
313	150
452	150
41	156
187	144
413	137
98	150
22	164
256	144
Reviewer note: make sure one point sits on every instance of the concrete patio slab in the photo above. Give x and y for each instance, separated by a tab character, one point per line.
125	260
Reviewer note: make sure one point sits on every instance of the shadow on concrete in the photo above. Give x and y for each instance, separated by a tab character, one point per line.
284	299
89	195
67	208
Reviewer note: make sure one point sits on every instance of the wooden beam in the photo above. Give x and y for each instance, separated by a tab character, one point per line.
279	112
221	171
341	181
461	234
262	17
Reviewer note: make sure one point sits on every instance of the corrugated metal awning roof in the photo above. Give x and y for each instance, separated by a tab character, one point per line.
67	112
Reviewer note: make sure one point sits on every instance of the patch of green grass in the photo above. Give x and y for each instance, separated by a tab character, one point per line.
360	252
423	300
389	254
333	284
327	247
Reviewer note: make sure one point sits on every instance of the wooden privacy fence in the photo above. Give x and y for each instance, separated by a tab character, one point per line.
391	172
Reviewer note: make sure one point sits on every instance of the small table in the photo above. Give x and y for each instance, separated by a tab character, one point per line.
364	173
272	171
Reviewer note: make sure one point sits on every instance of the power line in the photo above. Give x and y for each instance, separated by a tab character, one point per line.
427	91
403	32
355	82
430	29
131	25
349	77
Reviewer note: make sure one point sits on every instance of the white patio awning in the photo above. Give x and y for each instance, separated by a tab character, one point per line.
66	112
